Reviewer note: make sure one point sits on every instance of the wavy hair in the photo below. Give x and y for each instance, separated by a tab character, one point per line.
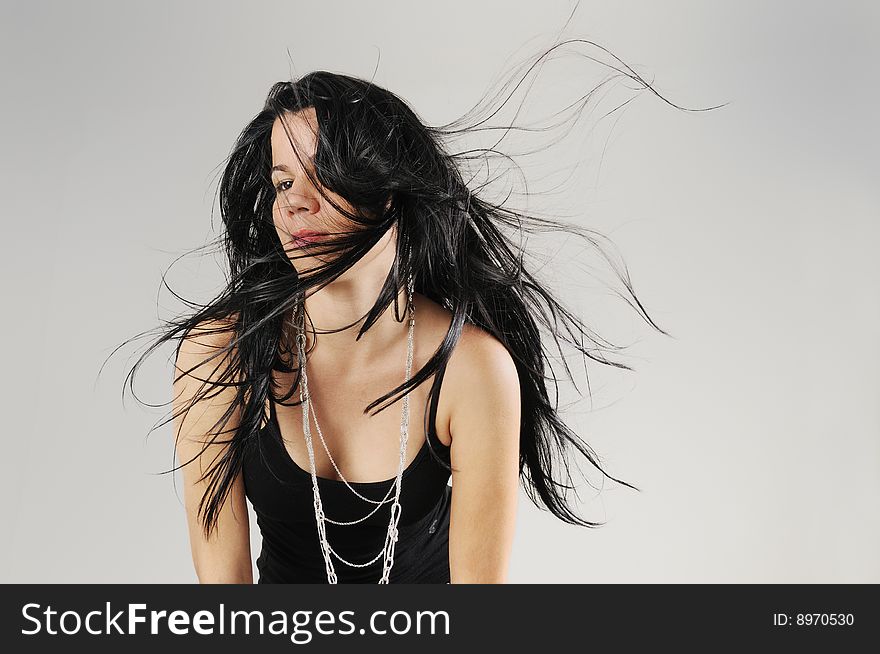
464	251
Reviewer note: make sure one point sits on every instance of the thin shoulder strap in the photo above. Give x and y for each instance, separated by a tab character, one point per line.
272	416
432	414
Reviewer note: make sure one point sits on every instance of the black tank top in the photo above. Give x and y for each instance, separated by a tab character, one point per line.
281	493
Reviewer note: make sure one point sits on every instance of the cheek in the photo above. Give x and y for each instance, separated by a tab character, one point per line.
278	221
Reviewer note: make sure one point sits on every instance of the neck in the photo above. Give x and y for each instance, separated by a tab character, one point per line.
346	301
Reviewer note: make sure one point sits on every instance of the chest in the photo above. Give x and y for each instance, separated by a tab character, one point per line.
364	447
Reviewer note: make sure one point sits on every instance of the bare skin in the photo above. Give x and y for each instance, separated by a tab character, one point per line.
344	374
478	409
478	413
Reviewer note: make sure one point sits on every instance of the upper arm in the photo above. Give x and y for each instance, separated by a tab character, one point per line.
225	557
485	428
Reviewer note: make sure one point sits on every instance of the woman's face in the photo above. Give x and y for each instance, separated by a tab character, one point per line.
300	213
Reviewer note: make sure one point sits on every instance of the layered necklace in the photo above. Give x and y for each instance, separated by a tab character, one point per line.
307	409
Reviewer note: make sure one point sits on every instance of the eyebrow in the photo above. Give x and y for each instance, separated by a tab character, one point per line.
286	169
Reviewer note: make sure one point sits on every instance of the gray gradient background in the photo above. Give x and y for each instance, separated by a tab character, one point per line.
751	233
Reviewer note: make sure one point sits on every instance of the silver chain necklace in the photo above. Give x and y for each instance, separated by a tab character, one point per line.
307	407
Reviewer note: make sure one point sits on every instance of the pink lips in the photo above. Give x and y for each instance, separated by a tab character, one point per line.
307	236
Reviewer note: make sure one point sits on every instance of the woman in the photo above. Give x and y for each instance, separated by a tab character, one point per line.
363	265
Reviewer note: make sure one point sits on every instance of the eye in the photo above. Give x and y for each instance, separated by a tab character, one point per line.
278	187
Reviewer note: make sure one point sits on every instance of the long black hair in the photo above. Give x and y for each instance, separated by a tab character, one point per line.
464	251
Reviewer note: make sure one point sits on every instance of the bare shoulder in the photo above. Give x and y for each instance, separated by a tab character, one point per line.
208	333
475	348
206	337
485	400
480	372
482	356
481	387
204	350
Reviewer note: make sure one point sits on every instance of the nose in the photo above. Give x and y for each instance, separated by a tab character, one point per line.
298	205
